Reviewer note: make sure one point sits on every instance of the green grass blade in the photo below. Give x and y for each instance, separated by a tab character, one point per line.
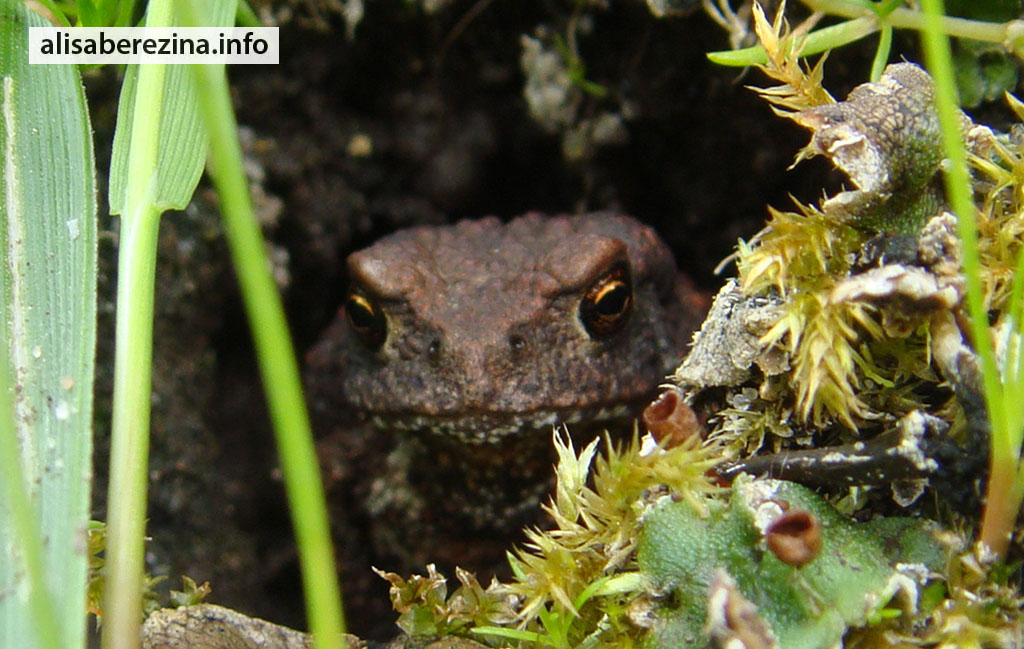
274	351
181	150
1004	491
125	11
937	54
48	316
88	15
56	12
246	17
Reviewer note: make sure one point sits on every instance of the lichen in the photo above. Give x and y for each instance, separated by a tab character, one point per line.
835	346
967	604
824	575
837	340
866	300
885	137
645	550
857	280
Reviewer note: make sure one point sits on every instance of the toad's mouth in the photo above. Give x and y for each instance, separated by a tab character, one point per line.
490	427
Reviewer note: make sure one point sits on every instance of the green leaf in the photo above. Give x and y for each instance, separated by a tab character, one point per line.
182	140
47	320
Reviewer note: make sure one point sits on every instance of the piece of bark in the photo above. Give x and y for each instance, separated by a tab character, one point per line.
206	626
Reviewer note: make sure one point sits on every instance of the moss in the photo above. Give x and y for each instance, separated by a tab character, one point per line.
856	357
829	333
644	546
573	583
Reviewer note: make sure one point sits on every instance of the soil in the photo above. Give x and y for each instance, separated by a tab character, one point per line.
419	118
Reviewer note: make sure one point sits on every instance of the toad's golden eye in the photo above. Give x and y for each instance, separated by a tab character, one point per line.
366	319
605	307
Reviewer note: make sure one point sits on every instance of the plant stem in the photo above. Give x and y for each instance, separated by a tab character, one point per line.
882	53
1002	500
815	42
274	351
904	18
129	454
1002	504
865	21
126	500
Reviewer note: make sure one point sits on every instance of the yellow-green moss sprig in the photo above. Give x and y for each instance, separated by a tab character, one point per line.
596	527
573	583
803	256
797	250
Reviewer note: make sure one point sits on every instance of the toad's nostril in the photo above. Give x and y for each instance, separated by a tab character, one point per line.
517	342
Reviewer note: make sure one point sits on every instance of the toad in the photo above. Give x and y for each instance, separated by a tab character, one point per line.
461	346
483	331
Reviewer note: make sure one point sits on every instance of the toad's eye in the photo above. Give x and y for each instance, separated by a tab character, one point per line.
366	318
606	304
